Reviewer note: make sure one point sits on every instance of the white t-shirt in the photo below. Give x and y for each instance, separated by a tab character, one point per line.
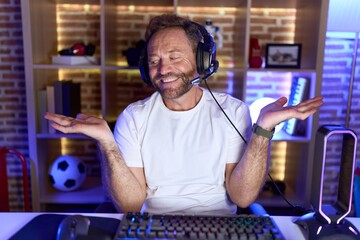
184	153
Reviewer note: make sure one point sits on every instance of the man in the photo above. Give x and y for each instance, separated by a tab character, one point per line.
175	151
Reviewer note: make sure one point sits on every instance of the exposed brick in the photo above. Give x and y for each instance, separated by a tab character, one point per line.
263	21
256	28
284	13
72	24
285	39
159	9
129	17
7	130
287	22
9	9
281	29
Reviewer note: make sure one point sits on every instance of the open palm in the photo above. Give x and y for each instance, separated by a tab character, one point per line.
90	126
275	112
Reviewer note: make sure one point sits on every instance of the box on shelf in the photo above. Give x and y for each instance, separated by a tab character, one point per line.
75	60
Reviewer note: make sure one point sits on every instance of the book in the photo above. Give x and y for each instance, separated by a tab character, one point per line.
50	104
67	98
58	96
43	124
71	99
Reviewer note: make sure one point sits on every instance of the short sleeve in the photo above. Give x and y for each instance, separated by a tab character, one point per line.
126	137
237	145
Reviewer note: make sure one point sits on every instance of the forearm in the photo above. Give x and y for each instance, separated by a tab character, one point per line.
248	177
125	190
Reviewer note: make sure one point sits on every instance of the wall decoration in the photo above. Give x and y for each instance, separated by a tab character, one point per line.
281	55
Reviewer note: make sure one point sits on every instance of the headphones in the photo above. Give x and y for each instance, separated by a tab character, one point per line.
79	49
206	63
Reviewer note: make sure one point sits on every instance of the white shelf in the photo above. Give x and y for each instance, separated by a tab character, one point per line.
61	66
61	135
300	70
283	136
91	192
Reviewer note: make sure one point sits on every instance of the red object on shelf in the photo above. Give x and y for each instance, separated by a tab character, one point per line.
255	59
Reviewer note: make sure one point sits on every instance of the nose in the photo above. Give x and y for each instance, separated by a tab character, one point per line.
163	67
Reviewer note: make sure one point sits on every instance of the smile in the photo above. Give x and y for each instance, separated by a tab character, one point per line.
168	80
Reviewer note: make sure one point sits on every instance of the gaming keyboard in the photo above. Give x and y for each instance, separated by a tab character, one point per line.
153	226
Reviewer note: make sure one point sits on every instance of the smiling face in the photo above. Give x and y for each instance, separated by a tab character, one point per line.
172	63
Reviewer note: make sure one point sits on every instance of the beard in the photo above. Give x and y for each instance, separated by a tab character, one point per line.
183	85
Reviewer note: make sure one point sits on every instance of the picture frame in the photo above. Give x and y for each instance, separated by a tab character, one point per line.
283	55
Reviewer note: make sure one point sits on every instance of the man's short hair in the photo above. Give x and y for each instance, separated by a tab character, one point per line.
172	20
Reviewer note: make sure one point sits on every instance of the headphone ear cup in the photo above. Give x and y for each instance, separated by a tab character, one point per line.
199	59
144	67
206	63
203	59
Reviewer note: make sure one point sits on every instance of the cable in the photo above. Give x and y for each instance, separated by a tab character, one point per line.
278	190
301	210
207	86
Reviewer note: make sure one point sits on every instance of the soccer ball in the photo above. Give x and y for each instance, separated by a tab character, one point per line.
67	173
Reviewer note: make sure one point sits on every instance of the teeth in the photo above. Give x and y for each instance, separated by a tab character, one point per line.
168	80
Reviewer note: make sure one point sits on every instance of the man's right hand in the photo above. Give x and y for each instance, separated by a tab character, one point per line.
90	126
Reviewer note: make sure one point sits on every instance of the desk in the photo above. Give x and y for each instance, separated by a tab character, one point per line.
11	222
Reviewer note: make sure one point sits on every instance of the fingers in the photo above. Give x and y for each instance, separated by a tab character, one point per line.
59	119
316	101
61	123
276	113
310	104
281	101
81	116
61	128
50	116
308	107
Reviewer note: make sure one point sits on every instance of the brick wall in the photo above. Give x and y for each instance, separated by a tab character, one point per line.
13	123
74	21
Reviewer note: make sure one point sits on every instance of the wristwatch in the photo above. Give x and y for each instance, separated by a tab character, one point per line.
262	132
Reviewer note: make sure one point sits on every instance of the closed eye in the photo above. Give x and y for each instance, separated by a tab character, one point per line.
175	57
153	62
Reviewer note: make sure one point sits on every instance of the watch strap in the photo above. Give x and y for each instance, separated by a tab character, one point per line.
262	132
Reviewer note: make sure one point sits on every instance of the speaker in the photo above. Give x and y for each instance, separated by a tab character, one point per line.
206	63
79	49
328	220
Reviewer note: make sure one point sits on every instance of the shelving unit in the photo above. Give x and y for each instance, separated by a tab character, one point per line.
110	85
